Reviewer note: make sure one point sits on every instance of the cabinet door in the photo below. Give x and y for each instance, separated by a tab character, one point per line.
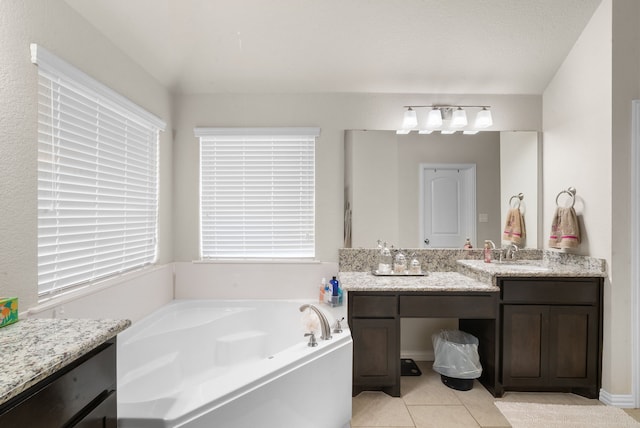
525	330
573	346
376	359
104	415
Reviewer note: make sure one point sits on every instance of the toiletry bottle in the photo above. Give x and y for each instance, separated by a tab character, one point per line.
334	286
384	264
327	293
323	286
335	291
467	244
415	267
400	264
487	252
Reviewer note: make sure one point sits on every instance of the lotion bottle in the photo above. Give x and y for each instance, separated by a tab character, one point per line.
487	252
323	287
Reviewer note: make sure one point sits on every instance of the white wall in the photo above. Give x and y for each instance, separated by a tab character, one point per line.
333	113
577	151
519	166
130	296
241	280
626	87
52	24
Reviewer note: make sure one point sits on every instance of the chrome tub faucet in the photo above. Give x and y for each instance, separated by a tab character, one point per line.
324	323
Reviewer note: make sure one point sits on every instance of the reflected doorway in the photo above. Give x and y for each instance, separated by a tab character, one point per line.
447	205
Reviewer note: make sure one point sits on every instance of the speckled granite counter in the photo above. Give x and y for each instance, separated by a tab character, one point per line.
434	281
488	272
33	349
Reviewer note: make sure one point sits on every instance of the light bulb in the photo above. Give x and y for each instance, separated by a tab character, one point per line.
434	120
483	118
459	118
410	120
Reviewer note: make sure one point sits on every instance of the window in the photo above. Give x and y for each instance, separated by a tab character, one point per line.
97	178
257	192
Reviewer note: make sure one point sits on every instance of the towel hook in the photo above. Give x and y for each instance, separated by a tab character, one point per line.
571	191
518	198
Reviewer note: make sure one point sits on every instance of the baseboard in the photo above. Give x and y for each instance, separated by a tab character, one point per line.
418	355
624	401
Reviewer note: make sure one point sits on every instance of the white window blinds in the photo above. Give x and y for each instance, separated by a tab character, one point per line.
257	192
97	178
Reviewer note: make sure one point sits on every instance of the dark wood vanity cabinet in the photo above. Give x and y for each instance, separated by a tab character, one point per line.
81	394
374	323
551	334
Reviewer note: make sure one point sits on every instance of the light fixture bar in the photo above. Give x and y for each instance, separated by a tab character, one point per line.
447	119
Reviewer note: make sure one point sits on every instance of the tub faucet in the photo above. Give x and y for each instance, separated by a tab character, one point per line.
324	323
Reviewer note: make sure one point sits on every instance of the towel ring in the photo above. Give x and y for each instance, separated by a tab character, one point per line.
571	191
518	198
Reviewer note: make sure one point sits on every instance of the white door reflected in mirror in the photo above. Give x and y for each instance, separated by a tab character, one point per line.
447	204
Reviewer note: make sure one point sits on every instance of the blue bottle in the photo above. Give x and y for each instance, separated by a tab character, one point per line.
335	286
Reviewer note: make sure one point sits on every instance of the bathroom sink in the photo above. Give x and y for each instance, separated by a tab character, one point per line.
522	267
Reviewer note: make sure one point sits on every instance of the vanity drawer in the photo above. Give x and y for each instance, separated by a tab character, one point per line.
482	306
58	398
551	291
373	306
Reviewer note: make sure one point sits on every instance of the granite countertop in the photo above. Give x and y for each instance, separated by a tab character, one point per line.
33	348
488	272
433	281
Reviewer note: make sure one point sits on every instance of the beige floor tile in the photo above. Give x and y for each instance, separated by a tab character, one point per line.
442	417
634	413
479	402
426	389
377	409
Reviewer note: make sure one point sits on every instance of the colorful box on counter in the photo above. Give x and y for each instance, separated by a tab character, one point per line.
8	310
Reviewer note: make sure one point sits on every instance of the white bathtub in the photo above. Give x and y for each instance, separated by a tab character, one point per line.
232	364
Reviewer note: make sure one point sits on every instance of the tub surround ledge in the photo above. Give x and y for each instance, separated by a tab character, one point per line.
33	348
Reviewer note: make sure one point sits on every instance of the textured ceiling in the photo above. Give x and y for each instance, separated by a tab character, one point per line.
386	46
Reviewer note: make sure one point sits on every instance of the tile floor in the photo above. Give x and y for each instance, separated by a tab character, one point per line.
426	403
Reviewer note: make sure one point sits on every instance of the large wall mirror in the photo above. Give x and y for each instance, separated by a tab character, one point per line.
383	176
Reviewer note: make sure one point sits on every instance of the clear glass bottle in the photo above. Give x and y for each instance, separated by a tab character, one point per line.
384	260
414	265
400	264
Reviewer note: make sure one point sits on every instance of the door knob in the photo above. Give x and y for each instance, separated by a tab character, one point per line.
426	241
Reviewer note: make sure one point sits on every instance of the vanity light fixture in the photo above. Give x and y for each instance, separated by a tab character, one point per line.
410	120
434	119
459	118
483	119
446	119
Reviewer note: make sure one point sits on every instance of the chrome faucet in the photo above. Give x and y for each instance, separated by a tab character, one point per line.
324	323
509	252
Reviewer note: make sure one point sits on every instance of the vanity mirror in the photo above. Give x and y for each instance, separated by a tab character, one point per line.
384	171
